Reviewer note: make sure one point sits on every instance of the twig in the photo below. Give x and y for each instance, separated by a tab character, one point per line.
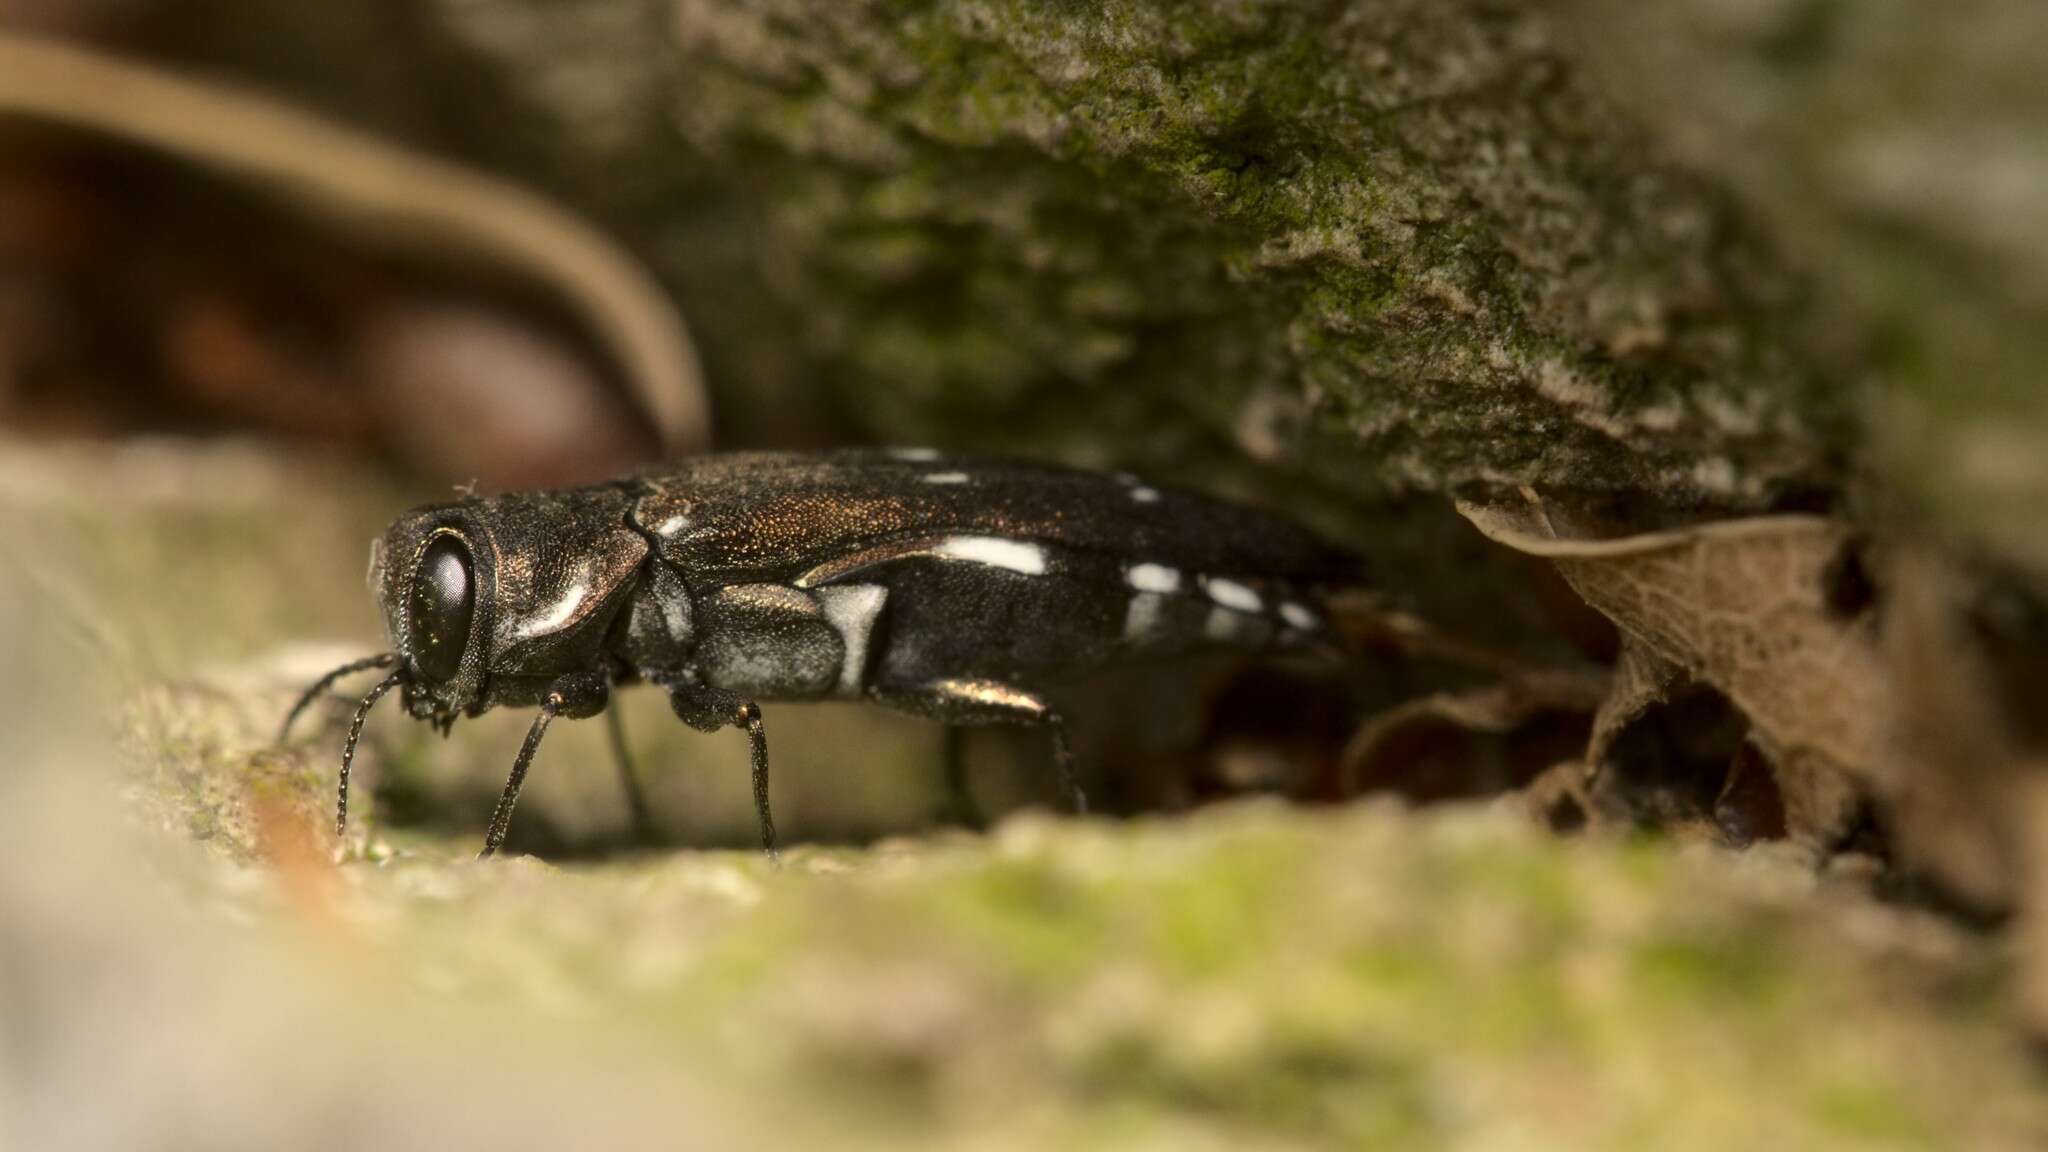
395	193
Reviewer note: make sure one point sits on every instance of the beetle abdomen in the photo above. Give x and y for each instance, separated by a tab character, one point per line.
1036	615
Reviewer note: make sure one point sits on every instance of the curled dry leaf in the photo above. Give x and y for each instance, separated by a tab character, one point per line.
1475	743
1672	751
1659	746
1739	607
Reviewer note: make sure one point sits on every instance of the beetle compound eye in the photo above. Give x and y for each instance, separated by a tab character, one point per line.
443	601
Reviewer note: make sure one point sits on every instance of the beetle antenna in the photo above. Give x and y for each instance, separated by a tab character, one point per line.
348	750
381	660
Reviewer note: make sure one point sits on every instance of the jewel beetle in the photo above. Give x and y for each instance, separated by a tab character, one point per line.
965	591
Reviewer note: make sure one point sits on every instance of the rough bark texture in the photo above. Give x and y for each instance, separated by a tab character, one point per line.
1898	148
1405	222
1399	243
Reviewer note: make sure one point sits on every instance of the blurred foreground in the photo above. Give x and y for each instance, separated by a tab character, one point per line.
186	967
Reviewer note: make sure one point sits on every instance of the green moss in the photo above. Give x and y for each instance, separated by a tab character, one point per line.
1709	970
1035	924
1252	973
1872	1113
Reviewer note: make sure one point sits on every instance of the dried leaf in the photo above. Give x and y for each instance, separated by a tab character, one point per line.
1496	739
1661	748
1642	680
1739	607
1751	807
1559	798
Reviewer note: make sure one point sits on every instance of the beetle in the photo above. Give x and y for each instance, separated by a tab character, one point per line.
965	591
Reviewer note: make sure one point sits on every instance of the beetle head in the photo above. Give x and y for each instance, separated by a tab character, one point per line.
487	601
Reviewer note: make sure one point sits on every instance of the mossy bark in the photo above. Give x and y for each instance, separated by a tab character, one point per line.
1391	244
1402	234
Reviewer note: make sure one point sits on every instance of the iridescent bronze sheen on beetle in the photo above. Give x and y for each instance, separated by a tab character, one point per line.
965	591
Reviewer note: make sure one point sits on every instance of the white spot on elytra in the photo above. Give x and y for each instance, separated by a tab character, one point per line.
558	613
851	610
1231	594
914	454
1144	495
1153	578
995	552
945	478
1298	616
673	525
1142	616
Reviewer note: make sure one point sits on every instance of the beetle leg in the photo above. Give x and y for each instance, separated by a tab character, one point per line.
709	709
576	695
501	817
960	806
757	741
629	778
988	702
1063	763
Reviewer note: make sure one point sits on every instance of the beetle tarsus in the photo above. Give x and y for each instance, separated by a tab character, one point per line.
637	808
